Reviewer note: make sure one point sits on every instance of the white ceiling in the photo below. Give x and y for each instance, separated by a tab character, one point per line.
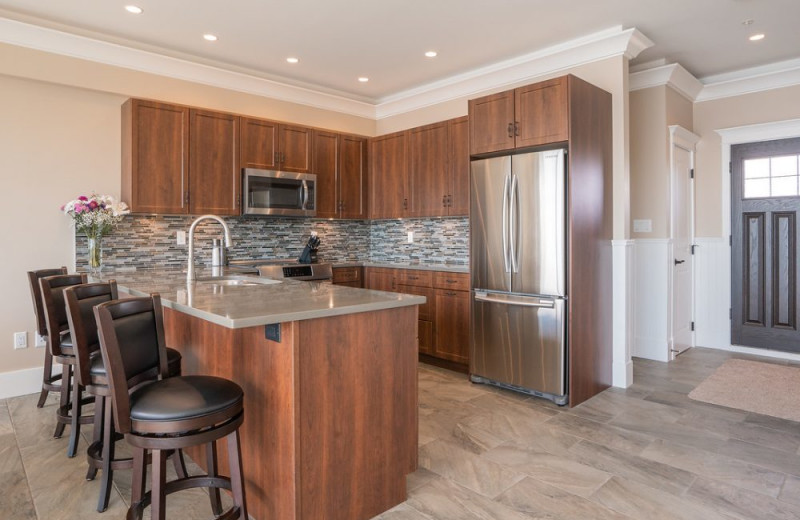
337	41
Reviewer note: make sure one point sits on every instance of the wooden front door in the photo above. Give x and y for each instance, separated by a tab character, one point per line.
765	199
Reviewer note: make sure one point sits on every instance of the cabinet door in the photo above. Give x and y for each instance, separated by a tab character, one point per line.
428	173
491	123
348	276
380	279
458	146
155	157
425	331
353	177
325	158
452	325
259	148
214	179
295	149
541	113
388	176
426	310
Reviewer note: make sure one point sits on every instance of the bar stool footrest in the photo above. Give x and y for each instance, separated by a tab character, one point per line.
136	510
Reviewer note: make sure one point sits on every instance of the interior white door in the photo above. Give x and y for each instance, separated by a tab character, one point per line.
682	290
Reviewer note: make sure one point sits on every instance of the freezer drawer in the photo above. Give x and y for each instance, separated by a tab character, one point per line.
519	341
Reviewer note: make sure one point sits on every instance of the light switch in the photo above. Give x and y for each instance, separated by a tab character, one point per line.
643	226
410	237
181	238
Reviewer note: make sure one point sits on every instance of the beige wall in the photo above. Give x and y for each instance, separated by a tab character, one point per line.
650	160
749	109
610	74
60	137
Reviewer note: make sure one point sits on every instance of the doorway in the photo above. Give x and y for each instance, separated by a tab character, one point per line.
765	202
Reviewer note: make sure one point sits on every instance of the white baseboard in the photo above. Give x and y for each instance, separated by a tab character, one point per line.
23	382
776	354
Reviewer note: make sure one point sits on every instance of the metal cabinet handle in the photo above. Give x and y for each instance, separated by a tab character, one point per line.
678	262
516	128
510	129
444	200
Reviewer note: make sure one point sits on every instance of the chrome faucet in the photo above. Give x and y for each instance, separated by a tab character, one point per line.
190	276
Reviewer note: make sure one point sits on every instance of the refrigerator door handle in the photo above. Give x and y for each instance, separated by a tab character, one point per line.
506	196
514	218
523	301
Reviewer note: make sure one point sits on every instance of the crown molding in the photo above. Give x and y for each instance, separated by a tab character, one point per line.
674	76
755	79
558	58
63	43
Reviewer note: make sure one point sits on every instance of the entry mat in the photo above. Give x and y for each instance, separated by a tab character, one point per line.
753	386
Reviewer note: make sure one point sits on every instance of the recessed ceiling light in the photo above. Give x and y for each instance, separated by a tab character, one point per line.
135	9
292	60
430	54
363	79
210	37
756	37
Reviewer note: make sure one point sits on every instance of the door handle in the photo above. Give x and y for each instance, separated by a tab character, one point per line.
678	262
506	260
510	129
514	218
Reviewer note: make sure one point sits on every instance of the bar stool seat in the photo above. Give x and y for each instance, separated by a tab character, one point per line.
180	398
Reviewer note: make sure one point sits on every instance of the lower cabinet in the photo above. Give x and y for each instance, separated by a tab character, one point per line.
444	318
349	276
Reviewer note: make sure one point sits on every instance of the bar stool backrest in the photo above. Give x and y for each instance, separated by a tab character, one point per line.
55	312
80	303
134	350
36	295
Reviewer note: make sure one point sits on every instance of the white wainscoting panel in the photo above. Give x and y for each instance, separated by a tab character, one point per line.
622	327
651	299
712	292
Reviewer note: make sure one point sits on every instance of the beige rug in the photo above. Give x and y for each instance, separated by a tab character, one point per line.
755	387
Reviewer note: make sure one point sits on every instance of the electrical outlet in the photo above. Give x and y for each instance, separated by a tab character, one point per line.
20	340
39	341
181	238
410	237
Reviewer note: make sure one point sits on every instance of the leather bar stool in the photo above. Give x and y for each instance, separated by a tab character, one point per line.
91	375
48	379
167	414
59	342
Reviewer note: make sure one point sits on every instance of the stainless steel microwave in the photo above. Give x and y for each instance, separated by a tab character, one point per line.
270	192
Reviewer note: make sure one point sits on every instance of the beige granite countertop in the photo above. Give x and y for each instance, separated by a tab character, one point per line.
239	306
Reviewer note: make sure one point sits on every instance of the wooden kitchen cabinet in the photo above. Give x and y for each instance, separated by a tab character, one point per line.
340	163
214	174
388	183
353	174
155	157
452	325
270	145
349	276
458	148
443	319
527	116
325	161
429	170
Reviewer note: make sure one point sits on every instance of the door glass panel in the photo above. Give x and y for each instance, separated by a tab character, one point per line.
771	177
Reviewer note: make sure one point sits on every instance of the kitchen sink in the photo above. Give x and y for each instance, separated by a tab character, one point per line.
233	280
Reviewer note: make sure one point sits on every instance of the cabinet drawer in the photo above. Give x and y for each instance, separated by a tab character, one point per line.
414	277
346	274
455	281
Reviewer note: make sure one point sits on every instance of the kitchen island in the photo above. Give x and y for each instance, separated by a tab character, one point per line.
330	428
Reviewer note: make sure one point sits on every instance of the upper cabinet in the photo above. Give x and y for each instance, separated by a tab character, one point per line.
155	153
340	163
388	185
275	146
178	160
352	187
421	172
527	116
214	177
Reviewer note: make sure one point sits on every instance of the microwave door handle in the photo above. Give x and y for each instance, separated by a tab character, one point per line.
305	194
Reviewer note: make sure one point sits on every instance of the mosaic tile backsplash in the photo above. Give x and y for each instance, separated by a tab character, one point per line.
150	241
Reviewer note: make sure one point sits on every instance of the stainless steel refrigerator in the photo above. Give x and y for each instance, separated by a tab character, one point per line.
518	255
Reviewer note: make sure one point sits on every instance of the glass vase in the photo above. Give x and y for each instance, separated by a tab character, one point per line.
95	245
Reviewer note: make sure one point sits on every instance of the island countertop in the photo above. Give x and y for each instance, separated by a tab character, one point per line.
240	306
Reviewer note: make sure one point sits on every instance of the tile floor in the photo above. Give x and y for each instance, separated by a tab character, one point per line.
647	452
